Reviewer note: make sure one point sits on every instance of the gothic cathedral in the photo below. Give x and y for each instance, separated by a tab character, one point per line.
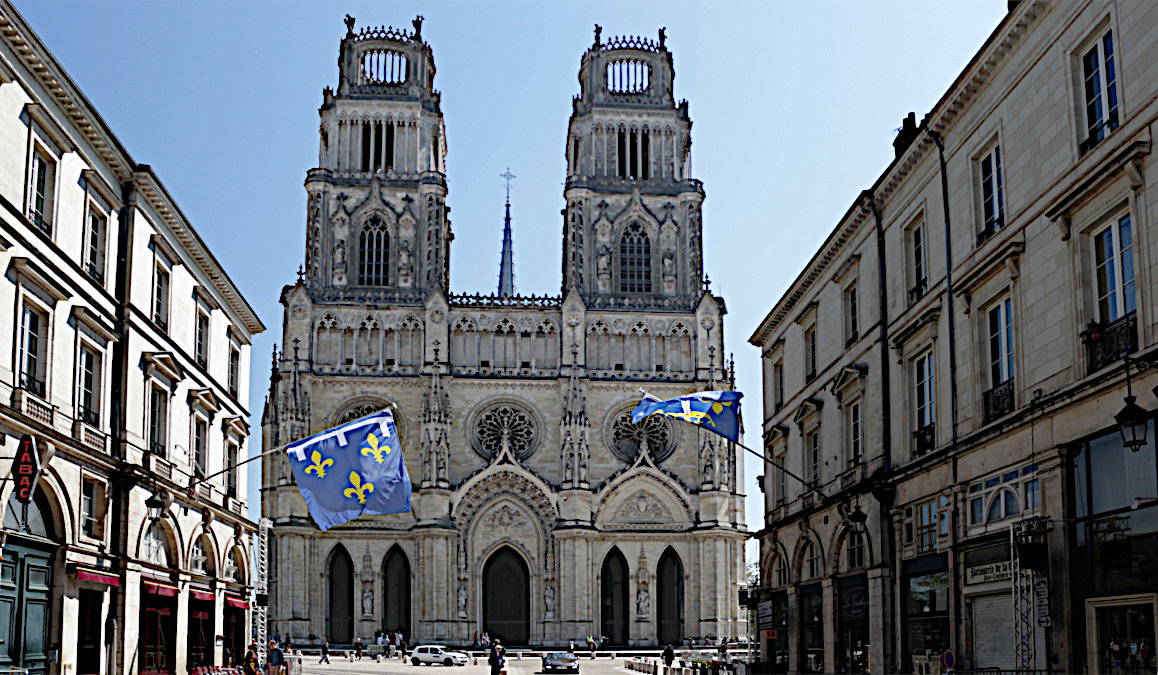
540	513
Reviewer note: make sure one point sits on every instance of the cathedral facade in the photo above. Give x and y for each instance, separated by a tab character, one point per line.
539	512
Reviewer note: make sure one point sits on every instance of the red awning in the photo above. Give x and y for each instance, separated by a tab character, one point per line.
160	589
236	602
201	595
97	577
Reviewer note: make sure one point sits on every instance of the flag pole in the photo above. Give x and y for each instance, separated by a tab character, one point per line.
767	460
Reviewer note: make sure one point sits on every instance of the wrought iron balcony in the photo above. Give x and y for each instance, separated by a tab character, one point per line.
157	448
161	321
918	290
94	272
998	401
1109	342
925	440
40	222
32	384
89	417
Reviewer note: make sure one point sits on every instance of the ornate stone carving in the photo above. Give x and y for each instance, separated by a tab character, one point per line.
504	518
505	426
625	438
642	508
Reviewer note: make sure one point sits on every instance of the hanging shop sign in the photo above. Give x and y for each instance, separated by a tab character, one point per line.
25	468
764	618
1000	570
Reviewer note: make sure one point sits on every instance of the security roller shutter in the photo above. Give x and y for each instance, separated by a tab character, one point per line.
993	631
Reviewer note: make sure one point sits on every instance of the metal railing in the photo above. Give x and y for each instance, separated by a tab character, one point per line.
998	401
1107	342
925	440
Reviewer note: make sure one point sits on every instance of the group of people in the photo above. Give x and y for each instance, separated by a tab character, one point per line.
483	641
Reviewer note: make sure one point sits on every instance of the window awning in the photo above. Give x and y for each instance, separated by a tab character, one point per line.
201	595
97	577
236	602
158	588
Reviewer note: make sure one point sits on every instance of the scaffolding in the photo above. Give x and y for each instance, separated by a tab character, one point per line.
1023	582
262	601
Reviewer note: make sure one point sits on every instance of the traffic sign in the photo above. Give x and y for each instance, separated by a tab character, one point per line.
947	660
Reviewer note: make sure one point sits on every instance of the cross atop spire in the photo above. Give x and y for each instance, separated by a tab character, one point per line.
507	259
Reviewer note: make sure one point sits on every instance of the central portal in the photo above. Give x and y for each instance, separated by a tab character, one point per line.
507	598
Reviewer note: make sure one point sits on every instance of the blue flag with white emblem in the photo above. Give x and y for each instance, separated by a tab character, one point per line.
355	469
716	411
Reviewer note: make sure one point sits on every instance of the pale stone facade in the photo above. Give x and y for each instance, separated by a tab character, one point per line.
507	405
89	336
974	384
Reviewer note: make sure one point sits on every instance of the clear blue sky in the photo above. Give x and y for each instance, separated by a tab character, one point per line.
794	104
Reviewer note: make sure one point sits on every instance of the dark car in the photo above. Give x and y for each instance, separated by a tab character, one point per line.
557	661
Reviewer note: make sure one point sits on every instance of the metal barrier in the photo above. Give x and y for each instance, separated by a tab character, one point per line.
294	664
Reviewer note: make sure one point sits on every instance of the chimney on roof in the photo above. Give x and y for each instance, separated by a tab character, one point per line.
906	135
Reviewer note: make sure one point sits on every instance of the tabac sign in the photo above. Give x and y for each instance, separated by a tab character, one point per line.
25	469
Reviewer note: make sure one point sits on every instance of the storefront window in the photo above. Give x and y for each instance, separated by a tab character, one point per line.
812	625
853	642
778	645
927	619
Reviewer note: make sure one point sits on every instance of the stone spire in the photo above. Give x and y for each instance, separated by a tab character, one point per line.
436	419
507	260
574	432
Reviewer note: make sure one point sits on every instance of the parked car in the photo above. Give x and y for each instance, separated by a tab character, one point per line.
429	654
557	661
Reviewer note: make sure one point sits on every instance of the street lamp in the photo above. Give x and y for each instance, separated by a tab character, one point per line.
1132	420
155	504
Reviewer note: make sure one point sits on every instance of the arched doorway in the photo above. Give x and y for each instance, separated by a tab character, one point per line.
396	592
26	584
670	579
613	598
340	621
507	598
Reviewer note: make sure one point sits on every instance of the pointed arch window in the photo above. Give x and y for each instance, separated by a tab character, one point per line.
634	261
374	254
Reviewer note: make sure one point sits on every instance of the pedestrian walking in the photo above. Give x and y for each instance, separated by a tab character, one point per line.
275	659
497	659
591	645
325	653
571	648
668	656
358	649
251	664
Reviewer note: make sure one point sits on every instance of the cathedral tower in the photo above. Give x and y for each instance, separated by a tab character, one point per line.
632	228
377	228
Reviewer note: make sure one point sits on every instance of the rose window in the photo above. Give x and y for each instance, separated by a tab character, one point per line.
626	438
505	424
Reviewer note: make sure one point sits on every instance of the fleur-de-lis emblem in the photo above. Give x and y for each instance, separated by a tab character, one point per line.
358	488
373	449
319	465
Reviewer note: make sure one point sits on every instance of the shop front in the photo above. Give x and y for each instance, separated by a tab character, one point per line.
852	649
1115	568
200	640
158	630
925	606
92	599
235	624
772	624
812	629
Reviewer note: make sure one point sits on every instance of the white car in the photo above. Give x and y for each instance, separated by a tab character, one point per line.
430	654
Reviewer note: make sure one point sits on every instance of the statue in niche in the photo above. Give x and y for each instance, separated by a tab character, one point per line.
340	254
404	254
426	475
642	601
669	263
367	602
604	260
549	600
461	601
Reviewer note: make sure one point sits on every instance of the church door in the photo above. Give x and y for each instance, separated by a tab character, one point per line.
396	596
507	598
341	618
613	598
670	578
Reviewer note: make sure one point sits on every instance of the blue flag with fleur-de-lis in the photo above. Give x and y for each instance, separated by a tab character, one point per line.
716	411
354	469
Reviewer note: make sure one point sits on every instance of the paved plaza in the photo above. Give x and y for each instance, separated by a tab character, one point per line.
515	666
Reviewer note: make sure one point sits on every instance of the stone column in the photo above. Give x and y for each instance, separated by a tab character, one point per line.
879	588
828	601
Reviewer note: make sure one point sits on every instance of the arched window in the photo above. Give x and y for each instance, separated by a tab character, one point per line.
779	572
634	261
1004	505
374	254
155	549
854	548
812	562
200	560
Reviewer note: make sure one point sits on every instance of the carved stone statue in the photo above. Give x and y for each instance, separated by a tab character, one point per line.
349	26
642	602
462	601
417	27
367	602
669	263
662	37
339	253
604	260
598	32
404	254
549	600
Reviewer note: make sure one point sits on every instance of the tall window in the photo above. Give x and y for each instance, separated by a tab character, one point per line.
634	261
779	480
231	464
234	369
918	260
634	158
855	434
851	315
1100	91
197	558
154	549
812	455
810	353
1000	342
92	498
94	252
992	193
780	572
374	254
932	521
33	349
200	445
812	561
924	385
201	348
158	420
778	384
88	386
40	191
855	550
161	297
1114	270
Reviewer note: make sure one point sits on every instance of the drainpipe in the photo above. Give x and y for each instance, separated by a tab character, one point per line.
886	518
122	481
955	605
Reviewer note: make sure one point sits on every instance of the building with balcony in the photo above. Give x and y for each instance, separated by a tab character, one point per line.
540	513
945	373
125	359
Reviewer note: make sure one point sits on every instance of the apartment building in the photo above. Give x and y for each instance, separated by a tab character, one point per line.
960	377
124	361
